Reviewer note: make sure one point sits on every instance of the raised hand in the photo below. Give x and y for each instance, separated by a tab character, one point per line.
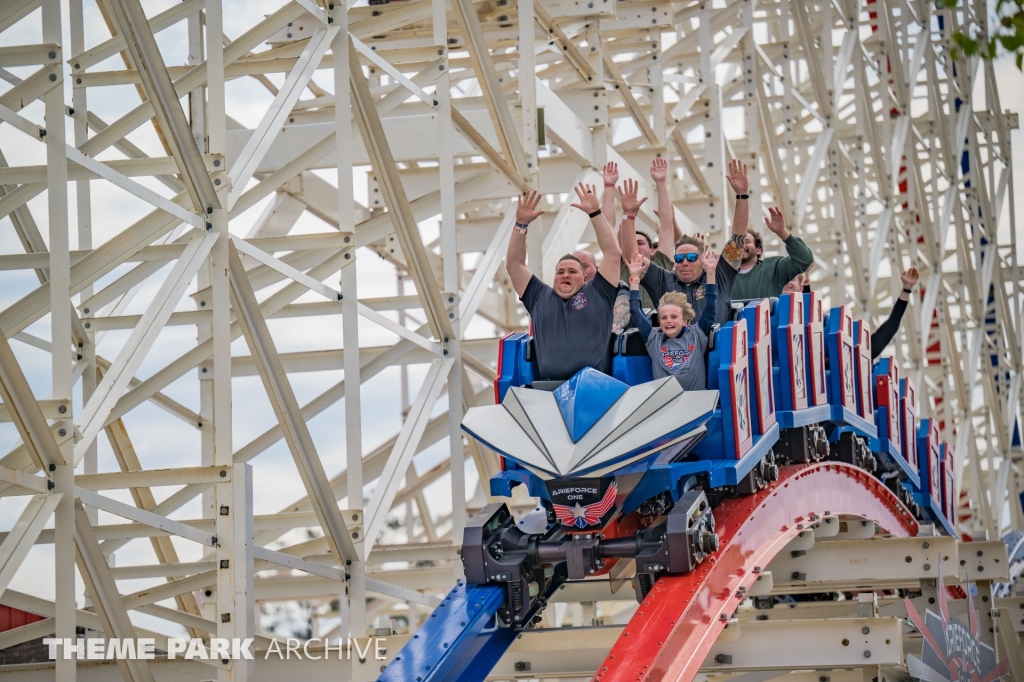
588	201
627	196
526	211
737	176
701	236
658	216
659	170
776	222
637	265
709	259
910	278
611	174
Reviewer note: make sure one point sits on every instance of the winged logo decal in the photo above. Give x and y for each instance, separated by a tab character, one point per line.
589	515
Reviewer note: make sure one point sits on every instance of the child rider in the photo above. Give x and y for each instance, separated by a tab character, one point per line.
677	347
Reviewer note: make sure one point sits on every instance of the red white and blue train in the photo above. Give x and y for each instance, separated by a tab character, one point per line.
787	382
630	468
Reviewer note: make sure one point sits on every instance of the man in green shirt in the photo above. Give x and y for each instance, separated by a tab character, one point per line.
764	278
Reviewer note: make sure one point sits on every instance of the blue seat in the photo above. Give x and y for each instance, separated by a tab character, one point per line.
630	362
844	360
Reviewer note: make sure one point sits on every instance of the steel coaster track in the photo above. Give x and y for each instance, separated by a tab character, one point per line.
675	627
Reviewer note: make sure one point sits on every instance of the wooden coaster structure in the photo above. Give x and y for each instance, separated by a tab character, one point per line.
882	148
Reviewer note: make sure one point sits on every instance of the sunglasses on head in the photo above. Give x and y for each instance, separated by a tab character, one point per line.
688	257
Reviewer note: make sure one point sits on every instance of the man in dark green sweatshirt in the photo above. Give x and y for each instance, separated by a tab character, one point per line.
764	278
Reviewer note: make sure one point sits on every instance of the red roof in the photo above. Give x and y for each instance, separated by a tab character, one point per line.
15	618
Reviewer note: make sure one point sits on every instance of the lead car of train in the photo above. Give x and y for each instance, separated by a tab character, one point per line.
630	468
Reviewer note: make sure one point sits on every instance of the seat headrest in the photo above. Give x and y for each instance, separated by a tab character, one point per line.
712	333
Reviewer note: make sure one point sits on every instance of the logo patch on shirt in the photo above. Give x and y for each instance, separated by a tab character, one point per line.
676	357
578	302
698	293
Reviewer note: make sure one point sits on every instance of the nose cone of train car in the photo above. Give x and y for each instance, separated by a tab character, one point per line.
592	425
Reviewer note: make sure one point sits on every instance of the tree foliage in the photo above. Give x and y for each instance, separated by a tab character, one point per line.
1009	35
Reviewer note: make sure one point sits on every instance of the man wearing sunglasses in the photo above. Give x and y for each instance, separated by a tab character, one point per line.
687	274
572	320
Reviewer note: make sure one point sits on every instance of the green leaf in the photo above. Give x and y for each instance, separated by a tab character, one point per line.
967	44
1011	43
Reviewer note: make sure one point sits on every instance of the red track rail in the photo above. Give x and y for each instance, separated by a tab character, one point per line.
671	633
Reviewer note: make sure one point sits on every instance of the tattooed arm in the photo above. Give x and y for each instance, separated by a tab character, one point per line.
732	252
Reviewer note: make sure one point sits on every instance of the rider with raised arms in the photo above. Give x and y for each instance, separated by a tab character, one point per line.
688	275
572	321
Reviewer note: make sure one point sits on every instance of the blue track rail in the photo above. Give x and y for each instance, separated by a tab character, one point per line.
458	641
462	640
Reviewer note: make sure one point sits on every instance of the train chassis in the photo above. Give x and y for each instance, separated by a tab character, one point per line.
673	538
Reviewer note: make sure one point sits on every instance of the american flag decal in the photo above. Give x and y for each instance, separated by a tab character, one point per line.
590	515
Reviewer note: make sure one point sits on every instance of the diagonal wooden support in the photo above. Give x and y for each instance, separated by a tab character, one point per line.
105	597
141	191
473	136
492	259
282	398
405	447
632	106
195	78
821	90
397	202
112	46
25	413
89	269
269	127
157	83
95	413
414	488
159	399
24	533
483	65
25	226
772	161
128	460
566	229
487	464
18	482
122	48
689	161
204	349
572	53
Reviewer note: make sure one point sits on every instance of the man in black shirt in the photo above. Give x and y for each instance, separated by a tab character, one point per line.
688	274
572	321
